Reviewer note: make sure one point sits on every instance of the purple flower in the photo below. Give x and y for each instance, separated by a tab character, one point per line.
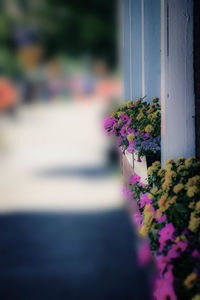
196	254
130	148
165	234
144	253
177	249
129	122
144	200
137	217
146	135
164	290
135	178
160	219
124	117
109	124
126	193
123	131
130	130
162	262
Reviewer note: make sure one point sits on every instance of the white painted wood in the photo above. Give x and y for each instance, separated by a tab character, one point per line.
140	167
129	157
177	96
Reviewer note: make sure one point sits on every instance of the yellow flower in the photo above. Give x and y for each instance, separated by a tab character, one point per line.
180	168
142	109
192	191
159	213
129	103
140	116
190	161
131	137
150	110
156	164
191	280
155	100
197	205
148	217
138	101
166	185
194	222
143	230
169	167
170	161
180	160
163	203
119	114
161	172
148	128
170	174
193	180
191	205
149	117
150	196
196	297
181	237
150	170
173	199
178	188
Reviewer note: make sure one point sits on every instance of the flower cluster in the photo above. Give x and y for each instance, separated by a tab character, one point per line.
137	126
169	209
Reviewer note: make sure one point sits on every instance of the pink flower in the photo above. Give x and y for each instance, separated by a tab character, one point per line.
123	131
146	135
164	290
169	274
162	262
177	249
135	178
160	219
137	218
126	193
128	123
130	148
144	200
109	123
130	130
142	184
196	254
144	253
165	233
119	142
124	117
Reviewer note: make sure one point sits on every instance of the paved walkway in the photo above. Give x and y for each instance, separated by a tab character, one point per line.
64	234
69	256
53	157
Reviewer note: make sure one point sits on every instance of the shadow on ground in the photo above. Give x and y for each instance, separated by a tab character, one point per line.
93	172
69	256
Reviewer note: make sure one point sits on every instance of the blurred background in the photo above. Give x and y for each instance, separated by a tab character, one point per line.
59	76
64	233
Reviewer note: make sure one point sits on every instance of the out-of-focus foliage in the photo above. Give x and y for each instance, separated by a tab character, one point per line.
73	28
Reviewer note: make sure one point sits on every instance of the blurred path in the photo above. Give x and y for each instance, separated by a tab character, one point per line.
56	152
69	257
64	232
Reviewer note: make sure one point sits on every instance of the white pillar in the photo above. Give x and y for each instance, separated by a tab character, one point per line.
177	89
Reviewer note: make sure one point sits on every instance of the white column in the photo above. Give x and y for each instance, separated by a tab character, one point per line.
177	90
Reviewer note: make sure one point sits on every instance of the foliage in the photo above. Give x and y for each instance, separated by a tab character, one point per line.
137	126
170	211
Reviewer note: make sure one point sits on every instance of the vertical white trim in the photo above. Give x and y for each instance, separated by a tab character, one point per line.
130	45
142	27
163	3
177	89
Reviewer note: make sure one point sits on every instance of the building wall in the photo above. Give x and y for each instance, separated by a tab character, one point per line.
158	62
